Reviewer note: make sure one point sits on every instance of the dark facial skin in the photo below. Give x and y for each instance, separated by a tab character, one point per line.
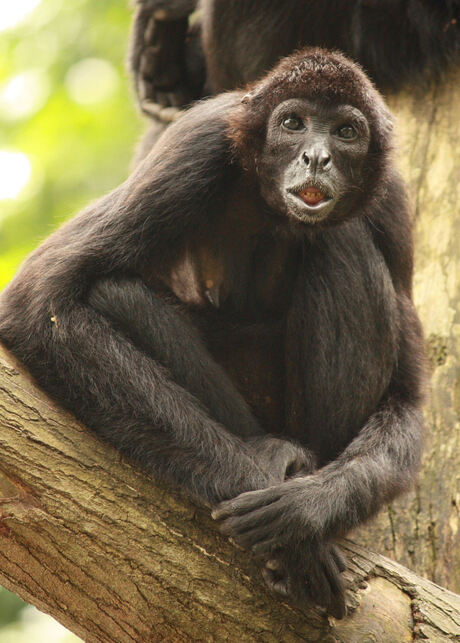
311	164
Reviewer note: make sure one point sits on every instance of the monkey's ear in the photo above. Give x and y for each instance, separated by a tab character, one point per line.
247	98
254	93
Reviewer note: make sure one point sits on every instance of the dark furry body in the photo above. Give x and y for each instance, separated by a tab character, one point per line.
394	41
240	40
182	318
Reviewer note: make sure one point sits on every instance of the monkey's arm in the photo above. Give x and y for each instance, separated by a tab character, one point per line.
157	57
92	365
377	465
156	324
289	524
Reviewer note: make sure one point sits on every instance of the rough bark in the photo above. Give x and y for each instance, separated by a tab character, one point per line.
421	530
114	557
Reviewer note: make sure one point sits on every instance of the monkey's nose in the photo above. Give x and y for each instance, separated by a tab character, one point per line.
324	161
317	160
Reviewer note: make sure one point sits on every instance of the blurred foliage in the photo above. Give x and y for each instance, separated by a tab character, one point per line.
28	625
65	103
10	607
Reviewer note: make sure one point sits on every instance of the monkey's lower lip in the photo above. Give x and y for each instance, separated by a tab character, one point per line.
312	196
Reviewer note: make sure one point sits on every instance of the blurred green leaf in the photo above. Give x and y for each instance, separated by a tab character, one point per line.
10	607
79	146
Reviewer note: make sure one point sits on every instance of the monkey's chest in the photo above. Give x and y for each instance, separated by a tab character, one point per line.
238	292
253	356
245	278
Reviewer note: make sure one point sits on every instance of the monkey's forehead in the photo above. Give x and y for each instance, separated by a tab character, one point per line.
324	76
313	70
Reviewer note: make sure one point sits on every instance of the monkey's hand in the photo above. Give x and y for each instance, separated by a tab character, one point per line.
281	459
161	73
284	525
309	571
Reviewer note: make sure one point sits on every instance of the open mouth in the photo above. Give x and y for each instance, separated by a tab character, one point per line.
310	202
312	196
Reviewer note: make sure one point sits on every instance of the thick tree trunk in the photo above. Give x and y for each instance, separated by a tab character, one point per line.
116	558
421	530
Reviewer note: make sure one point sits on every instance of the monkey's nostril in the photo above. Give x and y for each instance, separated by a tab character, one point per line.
325	161
306	159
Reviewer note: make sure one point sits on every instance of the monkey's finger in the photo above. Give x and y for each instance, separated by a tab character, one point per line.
278	585
331	597
161	98
337	606
339	558
249	538
177	98
318	587
266	516
333	576
245	502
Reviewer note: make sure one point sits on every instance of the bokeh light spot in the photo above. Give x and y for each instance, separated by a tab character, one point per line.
13	11
15	171
91	80
24	94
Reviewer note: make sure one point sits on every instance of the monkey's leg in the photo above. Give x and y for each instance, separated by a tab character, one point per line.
130	400
158	328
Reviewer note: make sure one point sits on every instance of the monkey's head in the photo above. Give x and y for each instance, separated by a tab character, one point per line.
317	134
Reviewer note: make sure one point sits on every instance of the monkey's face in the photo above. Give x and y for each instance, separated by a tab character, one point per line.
311	166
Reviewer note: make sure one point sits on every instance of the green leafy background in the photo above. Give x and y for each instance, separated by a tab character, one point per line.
77	151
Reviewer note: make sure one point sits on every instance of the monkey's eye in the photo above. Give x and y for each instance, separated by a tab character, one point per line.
347	132
292	123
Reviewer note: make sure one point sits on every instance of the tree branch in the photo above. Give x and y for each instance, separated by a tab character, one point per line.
115	557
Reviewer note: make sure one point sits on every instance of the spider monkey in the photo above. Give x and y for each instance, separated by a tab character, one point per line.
237	319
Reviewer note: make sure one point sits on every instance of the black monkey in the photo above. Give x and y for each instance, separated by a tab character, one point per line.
240	40
252	275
